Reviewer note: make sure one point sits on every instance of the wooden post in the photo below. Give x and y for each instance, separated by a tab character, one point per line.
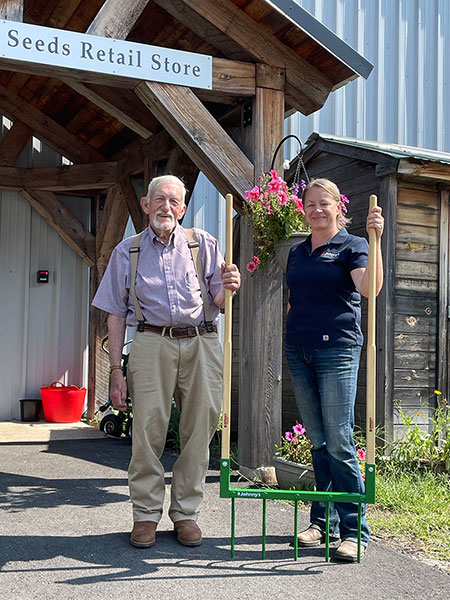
261	318
442	340
385	309
11	10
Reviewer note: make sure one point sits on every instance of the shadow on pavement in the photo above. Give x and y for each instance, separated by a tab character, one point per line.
110	558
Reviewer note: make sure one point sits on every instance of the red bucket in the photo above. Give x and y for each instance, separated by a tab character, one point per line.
62	404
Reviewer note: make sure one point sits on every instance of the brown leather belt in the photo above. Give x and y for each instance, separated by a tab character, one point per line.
180	332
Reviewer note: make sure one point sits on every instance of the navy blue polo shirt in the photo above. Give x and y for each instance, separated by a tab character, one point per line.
325	304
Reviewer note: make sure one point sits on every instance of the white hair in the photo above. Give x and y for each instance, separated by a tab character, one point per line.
157	181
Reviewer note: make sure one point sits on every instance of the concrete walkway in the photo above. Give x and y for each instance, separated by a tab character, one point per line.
65	519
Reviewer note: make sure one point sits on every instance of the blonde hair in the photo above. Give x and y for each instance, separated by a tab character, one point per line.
333	190
157	181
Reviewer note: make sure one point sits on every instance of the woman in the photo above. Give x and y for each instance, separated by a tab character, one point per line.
326	275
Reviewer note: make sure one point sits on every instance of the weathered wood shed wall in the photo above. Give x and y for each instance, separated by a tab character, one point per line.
412	336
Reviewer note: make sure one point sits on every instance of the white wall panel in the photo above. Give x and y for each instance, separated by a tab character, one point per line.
15	216
44	326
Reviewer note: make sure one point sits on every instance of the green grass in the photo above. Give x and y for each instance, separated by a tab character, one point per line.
413	507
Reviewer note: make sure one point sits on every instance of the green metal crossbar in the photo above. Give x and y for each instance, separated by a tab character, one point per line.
226	491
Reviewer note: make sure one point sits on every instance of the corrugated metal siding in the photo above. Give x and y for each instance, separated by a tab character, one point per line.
405	99
44	326
206	210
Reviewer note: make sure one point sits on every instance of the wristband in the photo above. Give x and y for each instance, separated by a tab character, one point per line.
114	367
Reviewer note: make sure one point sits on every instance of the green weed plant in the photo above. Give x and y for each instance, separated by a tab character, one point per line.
417	447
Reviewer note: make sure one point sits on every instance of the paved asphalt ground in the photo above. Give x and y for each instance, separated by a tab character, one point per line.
65	519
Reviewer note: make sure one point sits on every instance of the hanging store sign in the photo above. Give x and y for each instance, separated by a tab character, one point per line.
33	44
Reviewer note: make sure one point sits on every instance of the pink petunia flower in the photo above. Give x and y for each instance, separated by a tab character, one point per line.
361	454
256	260
252	266
288	436
253	194
299	429
283	197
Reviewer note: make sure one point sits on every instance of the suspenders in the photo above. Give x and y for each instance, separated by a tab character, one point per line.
134	256
194	247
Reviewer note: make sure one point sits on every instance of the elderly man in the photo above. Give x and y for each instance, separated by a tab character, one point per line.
156	282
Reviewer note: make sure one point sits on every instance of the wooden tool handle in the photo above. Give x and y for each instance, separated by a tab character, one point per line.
227	349
371	343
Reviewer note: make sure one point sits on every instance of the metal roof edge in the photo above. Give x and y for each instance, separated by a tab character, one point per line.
324	36
394	150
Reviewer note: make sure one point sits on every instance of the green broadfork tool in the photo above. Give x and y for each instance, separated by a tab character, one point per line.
226	491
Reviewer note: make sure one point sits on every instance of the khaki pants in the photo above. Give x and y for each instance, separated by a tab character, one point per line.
156	366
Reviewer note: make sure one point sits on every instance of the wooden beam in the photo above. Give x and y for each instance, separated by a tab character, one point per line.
11	10
72	177
14	142
269	77
181	165
117	18
260	302
306	87
432	170
111	227
200	136
66	225
233	78
150	171
139	218
153	149
12	178
46	128
120	103
204	28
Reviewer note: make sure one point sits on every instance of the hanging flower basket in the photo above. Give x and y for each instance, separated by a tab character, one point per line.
275	212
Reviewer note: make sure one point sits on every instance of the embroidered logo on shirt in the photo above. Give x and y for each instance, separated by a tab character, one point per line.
326	338
330	254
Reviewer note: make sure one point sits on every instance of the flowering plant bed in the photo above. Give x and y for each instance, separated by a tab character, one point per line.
295	446
275	212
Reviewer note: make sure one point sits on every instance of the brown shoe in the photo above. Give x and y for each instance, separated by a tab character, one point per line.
348	551
143	534
311	537
189	533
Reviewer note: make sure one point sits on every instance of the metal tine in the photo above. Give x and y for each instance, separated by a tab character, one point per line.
327	532
233	524
264	517
295	529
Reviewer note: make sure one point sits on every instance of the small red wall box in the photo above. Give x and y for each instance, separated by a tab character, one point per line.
42	276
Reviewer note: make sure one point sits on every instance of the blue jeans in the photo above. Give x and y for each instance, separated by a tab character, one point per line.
324	383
